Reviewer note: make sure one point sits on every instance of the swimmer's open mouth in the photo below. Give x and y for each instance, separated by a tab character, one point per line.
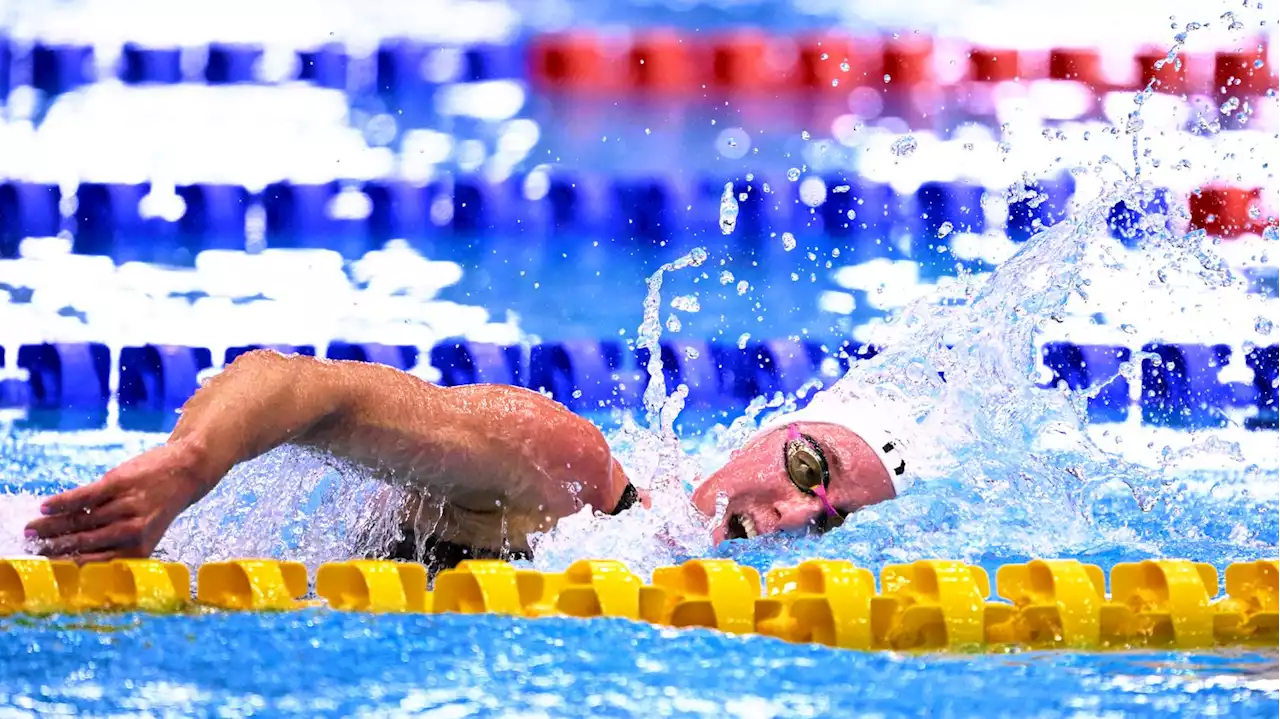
740	526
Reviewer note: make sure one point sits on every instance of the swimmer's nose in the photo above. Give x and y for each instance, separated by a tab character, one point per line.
797	515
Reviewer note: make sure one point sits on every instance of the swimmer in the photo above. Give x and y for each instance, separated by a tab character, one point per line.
505	462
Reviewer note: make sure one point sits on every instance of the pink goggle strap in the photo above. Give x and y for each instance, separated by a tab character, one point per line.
820	491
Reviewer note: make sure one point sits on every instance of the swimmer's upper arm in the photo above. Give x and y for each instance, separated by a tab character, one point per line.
482	439
474	438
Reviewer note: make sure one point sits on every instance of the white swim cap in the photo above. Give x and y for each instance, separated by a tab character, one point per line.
869	420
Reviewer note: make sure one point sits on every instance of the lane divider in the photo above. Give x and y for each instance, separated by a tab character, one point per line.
929	605
1180	384
662	62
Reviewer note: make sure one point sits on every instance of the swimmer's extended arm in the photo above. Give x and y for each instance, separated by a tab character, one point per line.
468	443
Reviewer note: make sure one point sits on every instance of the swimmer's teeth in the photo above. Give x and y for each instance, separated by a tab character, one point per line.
750	526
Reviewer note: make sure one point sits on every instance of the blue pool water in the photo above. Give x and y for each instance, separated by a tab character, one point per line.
327	664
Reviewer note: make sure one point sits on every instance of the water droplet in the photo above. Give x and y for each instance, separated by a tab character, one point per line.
905	146
804	135
726	277
1128	329
673	324
743	339
839	189
788	241
1263	325
648	131
844	66
697	256
686	303
728	210
743	287
1271	233
690	353
793	174
577	394
835	82
887	78
824	56
945	229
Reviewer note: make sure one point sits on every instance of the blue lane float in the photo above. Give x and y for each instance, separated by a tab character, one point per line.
572	203
325	66
487	61
214	216
943	210
695	365
1046	204
1084	367
232	64
478	206
862	214
67	375
1181	389
462	363
155	381
6	67
778	366
397	210
1132	226
301	216
234	352
584	374
398	356
56	69
140	65
644	209
1265	363
160	377
108	222
399	68
27	210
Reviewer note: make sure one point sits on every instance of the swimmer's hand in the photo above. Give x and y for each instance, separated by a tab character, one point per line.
125	513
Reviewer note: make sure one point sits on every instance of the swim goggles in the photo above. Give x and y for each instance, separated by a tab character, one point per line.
807	468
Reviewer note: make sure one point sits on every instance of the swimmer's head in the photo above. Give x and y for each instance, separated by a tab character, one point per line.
795	477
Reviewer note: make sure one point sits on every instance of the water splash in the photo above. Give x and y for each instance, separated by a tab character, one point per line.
728	210
1006	466
290	503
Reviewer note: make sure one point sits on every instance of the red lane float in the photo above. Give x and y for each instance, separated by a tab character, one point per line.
673	62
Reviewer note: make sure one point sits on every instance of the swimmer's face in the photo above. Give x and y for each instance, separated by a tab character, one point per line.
770	482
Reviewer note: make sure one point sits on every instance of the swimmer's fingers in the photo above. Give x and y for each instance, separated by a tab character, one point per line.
57	525
124	538
81	499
